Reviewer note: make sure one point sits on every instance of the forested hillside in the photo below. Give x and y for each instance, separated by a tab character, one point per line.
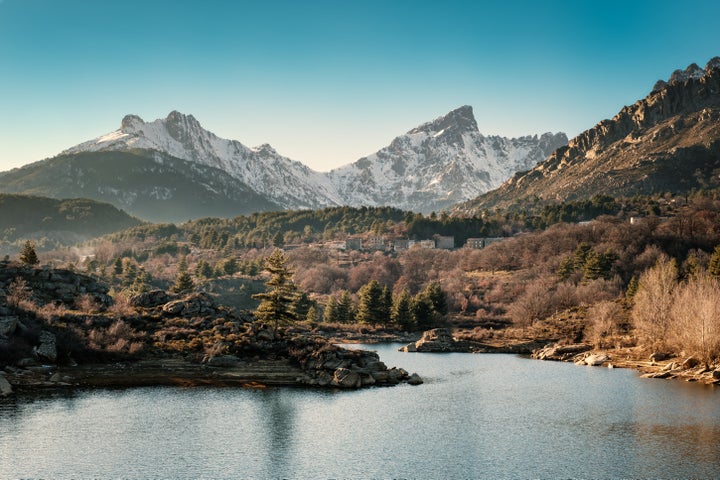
53	223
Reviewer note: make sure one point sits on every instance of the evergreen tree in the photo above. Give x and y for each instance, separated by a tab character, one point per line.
141	283
118	266
714	264
204	270
276	303
402	311
330	315
184	280
346	308
566	268
312	315
436	295
422	310
580	255
370	304
278	240
302	305
593	267
632	289
387	304
28	256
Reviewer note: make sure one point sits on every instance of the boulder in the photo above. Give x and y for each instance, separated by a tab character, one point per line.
224	361
435	341
716	374
560	352
690	362
659	357
47	350
5	387
8	325
153	298
192	305
346	378
596	359
415	379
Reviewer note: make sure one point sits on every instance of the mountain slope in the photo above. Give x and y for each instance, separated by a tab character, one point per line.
150	185
172	169
669	141
57	222
288	183
440	163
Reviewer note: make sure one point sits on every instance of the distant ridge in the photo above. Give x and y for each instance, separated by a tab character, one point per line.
667	142
172	169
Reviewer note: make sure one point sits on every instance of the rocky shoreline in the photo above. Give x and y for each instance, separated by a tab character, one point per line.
657	365
160	339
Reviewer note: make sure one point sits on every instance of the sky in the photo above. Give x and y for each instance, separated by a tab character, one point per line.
328	82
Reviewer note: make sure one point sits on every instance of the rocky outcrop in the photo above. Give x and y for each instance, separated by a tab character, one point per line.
438	340
343	368
50	285
560	353
5	387
195	304
47	350
153	298
668	141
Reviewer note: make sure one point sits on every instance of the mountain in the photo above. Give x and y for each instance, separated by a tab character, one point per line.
667	142
439	164
56	222
289	184
172	169
146	183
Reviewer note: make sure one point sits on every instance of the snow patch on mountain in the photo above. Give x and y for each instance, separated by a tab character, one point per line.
431	167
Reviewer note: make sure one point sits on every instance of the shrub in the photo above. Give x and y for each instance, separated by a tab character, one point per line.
603	320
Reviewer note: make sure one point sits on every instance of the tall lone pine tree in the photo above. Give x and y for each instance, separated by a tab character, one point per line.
278	301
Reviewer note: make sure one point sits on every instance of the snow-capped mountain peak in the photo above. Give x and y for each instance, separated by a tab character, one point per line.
459	120
431	167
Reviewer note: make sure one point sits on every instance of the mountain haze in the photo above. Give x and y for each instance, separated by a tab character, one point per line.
667	142
172	169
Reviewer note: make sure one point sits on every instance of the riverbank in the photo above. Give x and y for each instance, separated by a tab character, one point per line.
655	365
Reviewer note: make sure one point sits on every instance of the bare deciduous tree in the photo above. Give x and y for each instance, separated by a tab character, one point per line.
653	302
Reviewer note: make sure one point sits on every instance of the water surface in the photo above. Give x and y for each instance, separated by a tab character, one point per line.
477	416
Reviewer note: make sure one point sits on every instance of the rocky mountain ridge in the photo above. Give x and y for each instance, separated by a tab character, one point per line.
429	168
668	141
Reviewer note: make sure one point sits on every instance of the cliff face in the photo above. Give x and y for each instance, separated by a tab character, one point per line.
669	141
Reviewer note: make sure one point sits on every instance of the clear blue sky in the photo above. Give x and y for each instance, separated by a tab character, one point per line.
326	82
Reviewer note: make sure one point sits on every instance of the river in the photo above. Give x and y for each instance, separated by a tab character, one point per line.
477	416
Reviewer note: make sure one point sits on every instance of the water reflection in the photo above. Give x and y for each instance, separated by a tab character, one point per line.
277	412
482	416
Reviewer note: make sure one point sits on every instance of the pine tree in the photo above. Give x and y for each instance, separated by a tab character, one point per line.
566	268
436	295
276	304
387	304
118	266
346	308
581	253
593	267
402	311
184	280
141	283
312	315
370	303
28	256
422	310
330	315
302	305
632	289
714	264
